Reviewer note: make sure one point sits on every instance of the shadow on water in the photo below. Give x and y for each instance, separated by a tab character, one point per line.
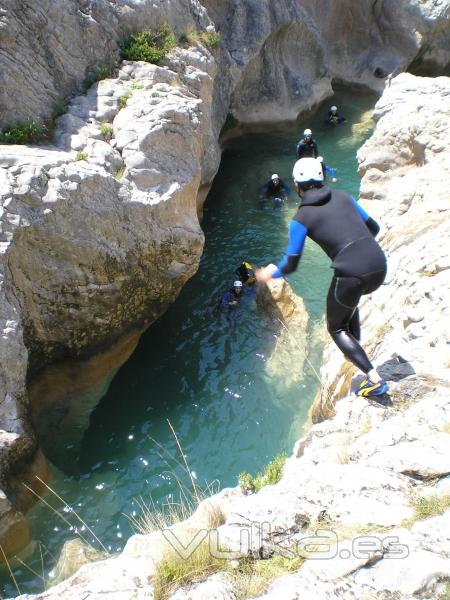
203	371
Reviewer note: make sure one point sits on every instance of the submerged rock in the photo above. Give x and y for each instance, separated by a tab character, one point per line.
289	321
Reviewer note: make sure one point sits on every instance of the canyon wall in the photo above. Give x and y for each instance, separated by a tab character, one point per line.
99	231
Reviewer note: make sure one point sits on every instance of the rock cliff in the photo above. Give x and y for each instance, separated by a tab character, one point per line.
99	230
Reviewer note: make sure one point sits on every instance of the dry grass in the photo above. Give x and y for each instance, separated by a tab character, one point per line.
175	571
252	578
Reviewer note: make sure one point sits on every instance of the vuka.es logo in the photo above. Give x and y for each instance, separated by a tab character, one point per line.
324	545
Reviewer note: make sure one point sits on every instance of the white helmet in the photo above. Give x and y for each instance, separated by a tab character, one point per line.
308	170
333	108
307	132
237	284
274	176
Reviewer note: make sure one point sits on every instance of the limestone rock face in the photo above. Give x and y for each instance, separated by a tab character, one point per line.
100	232
405	175
49	47
282	57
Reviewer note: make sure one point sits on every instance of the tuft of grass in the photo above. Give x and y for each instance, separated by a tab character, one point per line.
119	173
97	74
107	131
271	475
59	108
137	86
382	329
430	507
81	155
211	38
175	571
192	36
124	98
149	46
252	578
446	428
30	132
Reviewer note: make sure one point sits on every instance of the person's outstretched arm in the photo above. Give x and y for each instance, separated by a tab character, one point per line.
297	236
371	224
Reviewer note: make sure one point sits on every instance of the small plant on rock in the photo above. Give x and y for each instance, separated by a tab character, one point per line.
81	155
149	46
107	131
124	99
270	476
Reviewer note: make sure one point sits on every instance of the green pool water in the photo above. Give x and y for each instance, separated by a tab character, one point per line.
205	372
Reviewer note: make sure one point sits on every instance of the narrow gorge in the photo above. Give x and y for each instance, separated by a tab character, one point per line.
100	231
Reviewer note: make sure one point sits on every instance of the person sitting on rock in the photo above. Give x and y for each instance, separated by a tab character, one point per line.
346	233
307	147
274	188
333	117
326	169
230	298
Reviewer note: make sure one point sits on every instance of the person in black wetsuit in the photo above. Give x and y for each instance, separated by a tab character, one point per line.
333	117
307	147
274	188
346	233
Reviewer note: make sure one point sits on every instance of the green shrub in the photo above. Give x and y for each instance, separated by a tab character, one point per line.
149	46
59	108
271	475
81	155
124	98
107	131
24	133
137	86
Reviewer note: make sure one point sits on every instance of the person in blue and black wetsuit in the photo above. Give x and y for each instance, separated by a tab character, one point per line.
346	233
231	298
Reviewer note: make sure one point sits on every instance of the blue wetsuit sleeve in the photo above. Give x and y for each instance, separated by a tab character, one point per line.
331	171
225	299
297	236
372	225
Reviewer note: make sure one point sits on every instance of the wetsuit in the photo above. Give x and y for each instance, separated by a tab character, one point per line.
270	190
328	170
229	297
307	149
334	118
345	232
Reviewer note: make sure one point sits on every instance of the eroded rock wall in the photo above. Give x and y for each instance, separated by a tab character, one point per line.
99	233
405	177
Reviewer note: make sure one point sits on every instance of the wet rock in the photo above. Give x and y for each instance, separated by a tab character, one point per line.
74	554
